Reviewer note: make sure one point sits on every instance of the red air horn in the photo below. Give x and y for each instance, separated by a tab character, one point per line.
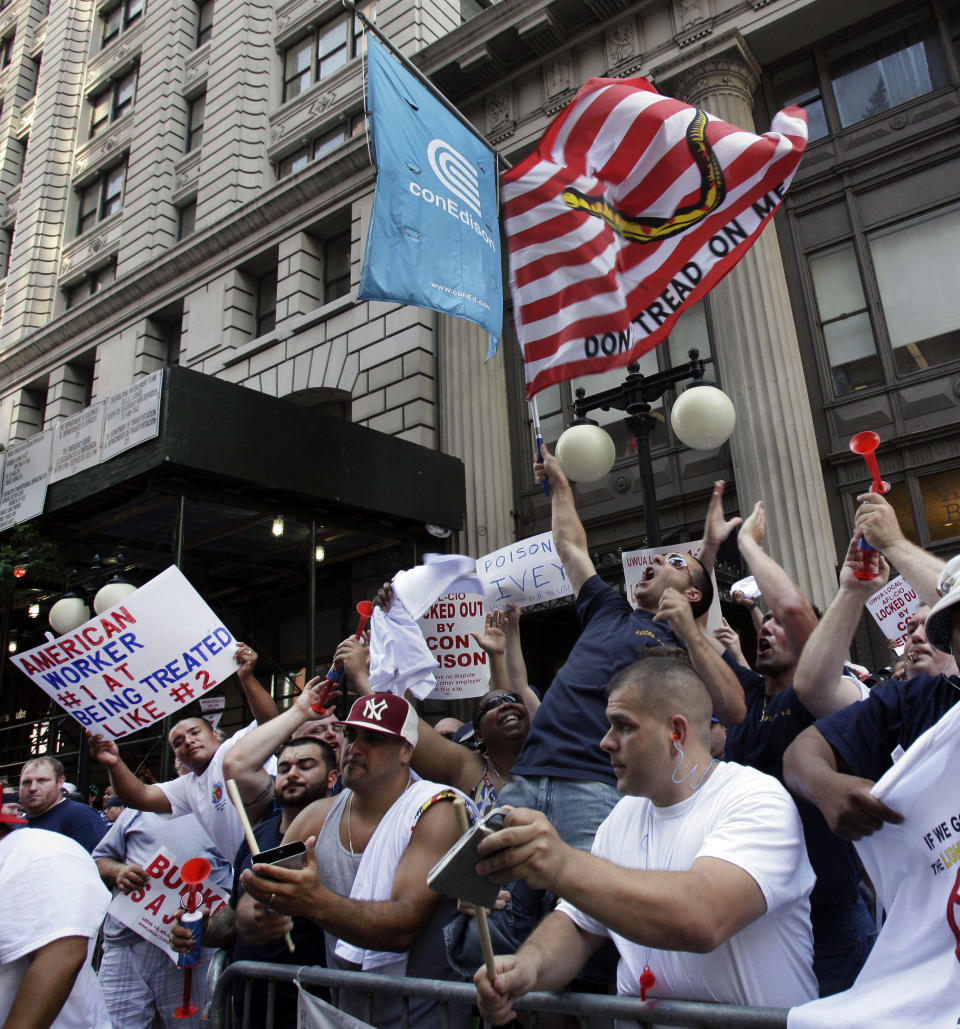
193	874
334	674
865	444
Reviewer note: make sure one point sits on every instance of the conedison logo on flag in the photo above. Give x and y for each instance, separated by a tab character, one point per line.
455	172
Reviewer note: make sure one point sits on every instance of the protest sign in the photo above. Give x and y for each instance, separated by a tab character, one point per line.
463	668
891	607
151	909
138	661
527	572
634	562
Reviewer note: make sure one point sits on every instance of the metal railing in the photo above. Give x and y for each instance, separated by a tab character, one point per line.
589	1008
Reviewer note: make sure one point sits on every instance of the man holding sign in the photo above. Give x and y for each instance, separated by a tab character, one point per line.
200	749
561	770
141	983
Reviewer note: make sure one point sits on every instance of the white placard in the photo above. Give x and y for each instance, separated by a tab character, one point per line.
77	442
212	703
463	667
151	909
26	472
132	415
891	607
634	562
137	662
526	572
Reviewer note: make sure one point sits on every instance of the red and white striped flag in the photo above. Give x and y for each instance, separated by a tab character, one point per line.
631	209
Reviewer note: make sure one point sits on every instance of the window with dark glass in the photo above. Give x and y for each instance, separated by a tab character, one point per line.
21	145
799	84
336	266
36	74
186	219
113	101
312	151
97	280
204	22
266	303
101	198
195	113
6	50
6	241
119	18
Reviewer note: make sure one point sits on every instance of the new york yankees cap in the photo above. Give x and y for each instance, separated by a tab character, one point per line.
386	713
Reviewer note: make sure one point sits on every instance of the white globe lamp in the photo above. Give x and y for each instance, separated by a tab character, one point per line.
703	417
586	452
67	614
114	592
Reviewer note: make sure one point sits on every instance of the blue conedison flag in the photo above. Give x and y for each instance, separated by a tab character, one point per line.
433	239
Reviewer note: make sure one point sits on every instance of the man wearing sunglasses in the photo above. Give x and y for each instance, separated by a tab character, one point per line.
561	770
835	763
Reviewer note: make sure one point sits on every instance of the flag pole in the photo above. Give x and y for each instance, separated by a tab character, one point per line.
535	414
350	5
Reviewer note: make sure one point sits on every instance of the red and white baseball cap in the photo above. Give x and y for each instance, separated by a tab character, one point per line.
386	713
6	819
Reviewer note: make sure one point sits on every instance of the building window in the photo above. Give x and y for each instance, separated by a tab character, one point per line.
6	242
204	22
865	73
195	112
97	280
36	74
911	271
312	151
119	18
265	315
336	266
101	198
187	219
6	50
20	146
113	102
324	51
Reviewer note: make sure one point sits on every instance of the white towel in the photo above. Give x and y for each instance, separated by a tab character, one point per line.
378	869
400	659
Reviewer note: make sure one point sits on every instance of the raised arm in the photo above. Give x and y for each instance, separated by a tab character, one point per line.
130	789
262	706
517	677
716	528
783	596
722	685
810	771
244	762
569	535
877	521
819	682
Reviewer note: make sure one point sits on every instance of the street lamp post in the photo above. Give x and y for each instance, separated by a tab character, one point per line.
709	416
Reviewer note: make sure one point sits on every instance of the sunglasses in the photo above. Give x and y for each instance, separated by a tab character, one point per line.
492	703
676	560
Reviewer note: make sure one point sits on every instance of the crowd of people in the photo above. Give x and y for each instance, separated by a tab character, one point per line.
678	817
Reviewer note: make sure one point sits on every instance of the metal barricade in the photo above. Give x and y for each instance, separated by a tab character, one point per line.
590	1009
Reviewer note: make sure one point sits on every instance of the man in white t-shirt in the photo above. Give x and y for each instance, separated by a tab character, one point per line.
53	905
699	874
197	746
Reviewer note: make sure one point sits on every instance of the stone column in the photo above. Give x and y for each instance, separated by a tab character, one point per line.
474	427
774	447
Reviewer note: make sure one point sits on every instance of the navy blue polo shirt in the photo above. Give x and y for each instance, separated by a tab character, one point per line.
865	735
564	738
78	821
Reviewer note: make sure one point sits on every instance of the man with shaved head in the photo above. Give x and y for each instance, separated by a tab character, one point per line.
699	875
